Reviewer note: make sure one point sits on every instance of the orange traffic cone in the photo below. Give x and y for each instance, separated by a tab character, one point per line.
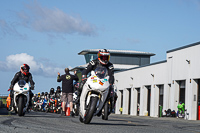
67	110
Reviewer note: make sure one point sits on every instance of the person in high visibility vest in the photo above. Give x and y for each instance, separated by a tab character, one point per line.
8	101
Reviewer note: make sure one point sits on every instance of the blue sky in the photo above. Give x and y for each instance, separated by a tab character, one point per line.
48	35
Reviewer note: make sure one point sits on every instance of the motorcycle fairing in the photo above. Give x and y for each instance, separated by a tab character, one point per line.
21	89
101	88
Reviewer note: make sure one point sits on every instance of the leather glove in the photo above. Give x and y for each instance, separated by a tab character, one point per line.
11	88
32	88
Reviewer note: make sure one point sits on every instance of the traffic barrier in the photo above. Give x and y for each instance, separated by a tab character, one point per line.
199	112
67	110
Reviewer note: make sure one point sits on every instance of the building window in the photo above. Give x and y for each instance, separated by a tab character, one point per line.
90	57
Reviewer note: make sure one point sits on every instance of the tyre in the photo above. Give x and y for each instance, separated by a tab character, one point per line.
59	111
90	111
20	106
76	110
105	113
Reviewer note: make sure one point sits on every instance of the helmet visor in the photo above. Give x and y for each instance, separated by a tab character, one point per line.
105	58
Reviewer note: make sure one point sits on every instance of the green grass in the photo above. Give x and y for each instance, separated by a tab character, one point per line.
4	101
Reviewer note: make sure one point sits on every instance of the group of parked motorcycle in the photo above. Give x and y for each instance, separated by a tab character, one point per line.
47	102
51	102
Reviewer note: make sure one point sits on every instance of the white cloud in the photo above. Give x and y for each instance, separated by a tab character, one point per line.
13	63
54	20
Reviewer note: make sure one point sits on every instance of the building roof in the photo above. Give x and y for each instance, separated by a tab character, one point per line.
119	52
190	45
117	67
159	62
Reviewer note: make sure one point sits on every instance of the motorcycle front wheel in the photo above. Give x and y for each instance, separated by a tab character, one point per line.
90	111
20	106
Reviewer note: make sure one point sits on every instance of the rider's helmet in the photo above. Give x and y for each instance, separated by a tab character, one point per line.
104	56
46	93
51	91
58	89
25	69
42	93
38	94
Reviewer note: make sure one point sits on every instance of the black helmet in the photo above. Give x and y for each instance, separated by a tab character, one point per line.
46	93
25	69
58	89
42	93
51	91
104	56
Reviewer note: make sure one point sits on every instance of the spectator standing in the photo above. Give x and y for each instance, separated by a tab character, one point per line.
67	89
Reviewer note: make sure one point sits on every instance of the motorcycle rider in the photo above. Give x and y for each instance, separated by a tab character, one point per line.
38	96
58	92
23	74
52	93
46	95
42	95
102	60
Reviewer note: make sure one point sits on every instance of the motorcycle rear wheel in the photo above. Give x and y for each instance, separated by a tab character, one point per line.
90	111
21	106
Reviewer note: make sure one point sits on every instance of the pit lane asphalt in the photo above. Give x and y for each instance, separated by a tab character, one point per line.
40	122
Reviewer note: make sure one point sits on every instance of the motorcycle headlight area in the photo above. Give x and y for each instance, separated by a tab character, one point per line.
25	92
16	92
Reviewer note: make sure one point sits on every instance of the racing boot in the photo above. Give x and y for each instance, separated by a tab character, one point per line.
11	105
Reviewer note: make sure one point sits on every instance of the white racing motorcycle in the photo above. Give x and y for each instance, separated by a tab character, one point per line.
94	94
21	97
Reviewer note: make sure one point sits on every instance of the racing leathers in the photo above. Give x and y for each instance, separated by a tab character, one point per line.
58	94
92	66
95	63
20	76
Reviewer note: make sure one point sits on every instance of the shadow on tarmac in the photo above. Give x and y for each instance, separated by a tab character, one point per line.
4	111
119	124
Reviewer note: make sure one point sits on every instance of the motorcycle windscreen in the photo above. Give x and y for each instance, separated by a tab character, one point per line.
101	72
21	83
